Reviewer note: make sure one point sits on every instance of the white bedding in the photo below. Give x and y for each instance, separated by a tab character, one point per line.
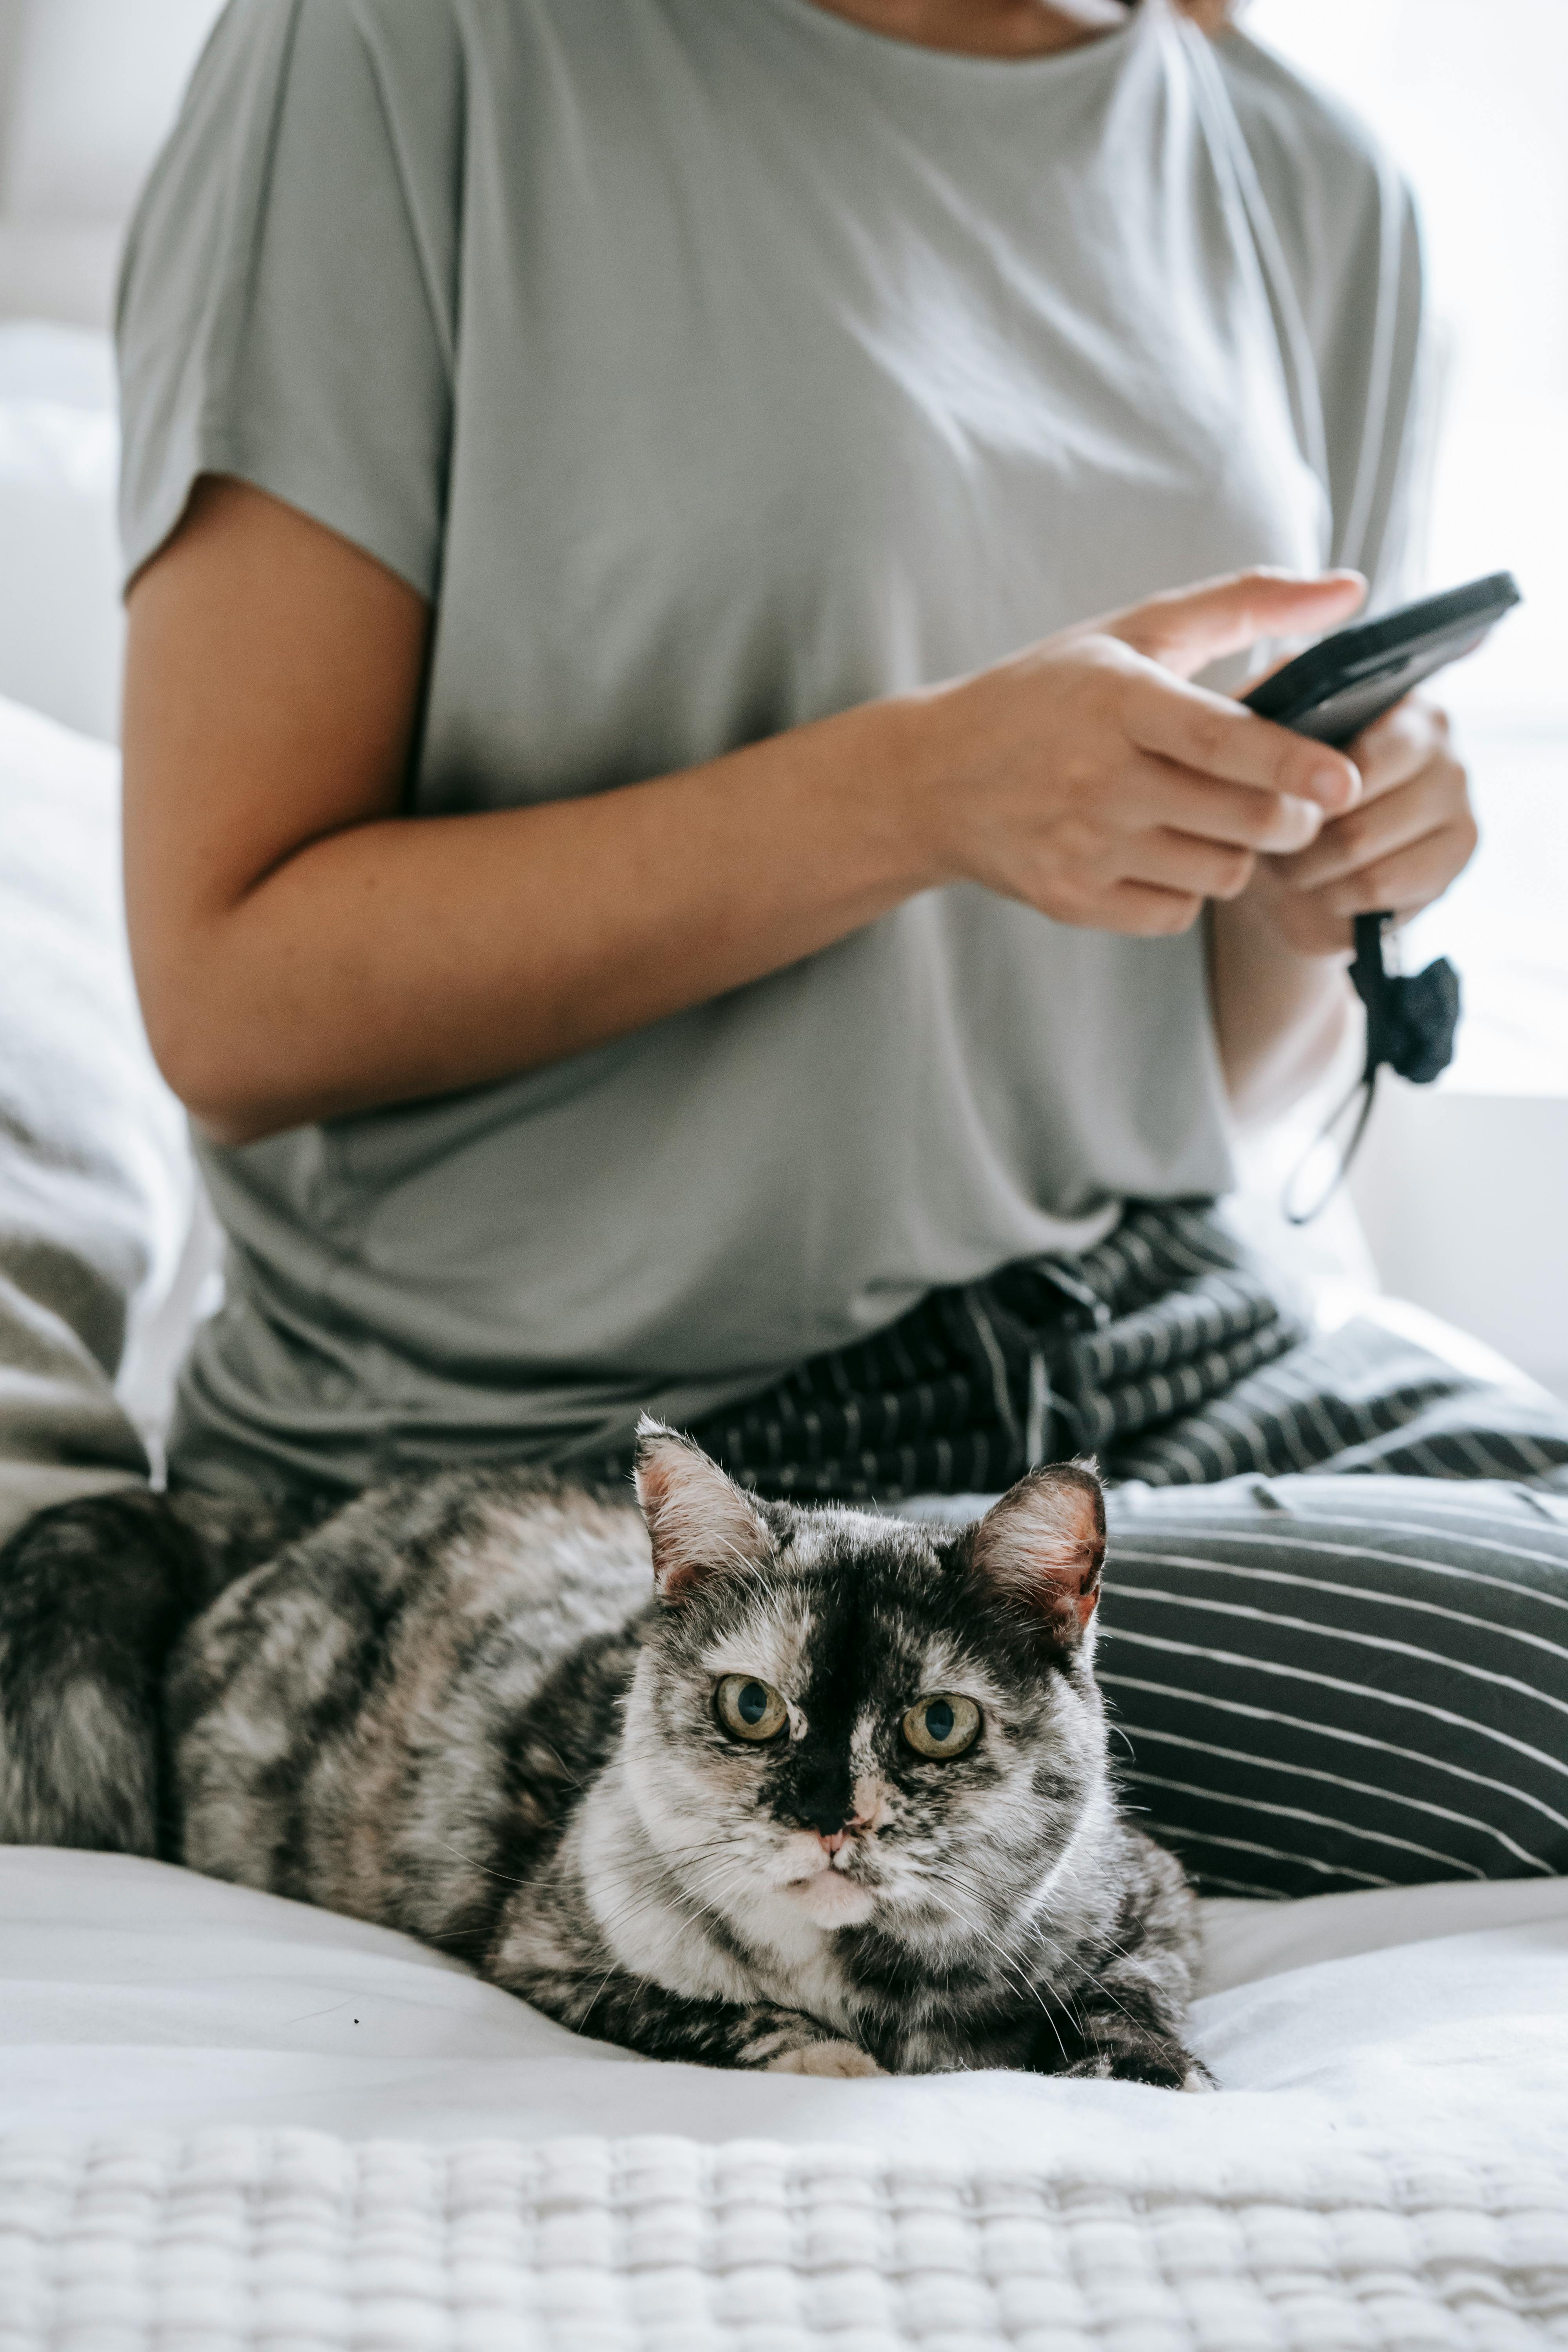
227	2122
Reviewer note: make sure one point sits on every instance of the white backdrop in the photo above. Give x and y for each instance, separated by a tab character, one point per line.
1463	1188
1473	100
87	90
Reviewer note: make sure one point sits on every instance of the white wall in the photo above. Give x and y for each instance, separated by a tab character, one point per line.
88	89
1472	97
1463	1189
1464	1202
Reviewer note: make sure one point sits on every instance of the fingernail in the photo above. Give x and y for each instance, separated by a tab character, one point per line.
1331	784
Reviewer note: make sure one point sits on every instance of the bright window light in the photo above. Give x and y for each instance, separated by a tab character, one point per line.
1472	100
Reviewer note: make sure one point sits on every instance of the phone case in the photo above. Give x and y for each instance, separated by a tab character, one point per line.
1337	688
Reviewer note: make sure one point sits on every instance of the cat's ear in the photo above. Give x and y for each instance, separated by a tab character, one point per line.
699	1521
1042	1546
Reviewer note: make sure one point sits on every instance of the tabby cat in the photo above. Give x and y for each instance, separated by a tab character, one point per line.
828	1795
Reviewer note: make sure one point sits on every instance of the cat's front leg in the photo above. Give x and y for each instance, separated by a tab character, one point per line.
773	2040
1125	2025
641	2015
845	2059
1107	2046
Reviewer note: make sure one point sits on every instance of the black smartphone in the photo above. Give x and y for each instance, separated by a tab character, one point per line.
1341	684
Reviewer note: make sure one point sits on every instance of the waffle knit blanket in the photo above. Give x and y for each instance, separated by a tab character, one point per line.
242	2242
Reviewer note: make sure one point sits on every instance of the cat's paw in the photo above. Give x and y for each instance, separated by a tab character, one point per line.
845	2059
1150	2059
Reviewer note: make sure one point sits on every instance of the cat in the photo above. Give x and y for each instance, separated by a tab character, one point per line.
737	1782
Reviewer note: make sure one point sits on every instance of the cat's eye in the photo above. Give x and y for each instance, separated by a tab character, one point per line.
943	1726
749	1709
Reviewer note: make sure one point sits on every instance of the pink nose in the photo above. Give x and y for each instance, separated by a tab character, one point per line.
831	1843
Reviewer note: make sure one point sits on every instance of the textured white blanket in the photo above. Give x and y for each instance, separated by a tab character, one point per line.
297	2243
227	2123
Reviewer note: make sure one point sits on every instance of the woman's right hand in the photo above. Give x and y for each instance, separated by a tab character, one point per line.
1088	777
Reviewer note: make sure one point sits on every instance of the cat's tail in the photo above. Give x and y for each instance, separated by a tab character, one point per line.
93	1596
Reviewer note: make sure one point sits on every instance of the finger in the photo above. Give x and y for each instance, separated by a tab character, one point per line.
1399	745
1237	815
1187	628
1193	868
1216	737
1408	879
1380	828
1240	815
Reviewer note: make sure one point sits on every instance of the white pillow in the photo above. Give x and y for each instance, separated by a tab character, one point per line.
96	1178
61	627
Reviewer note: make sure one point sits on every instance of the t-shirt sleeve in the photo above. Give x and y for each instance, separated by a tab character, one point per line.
288	301
1350	238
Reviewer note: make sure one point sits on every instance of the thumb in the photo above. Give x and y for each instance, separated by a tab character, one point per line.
1190	627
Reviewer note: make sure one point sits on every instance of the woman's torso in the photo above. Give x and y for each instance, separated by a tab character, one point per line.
769	367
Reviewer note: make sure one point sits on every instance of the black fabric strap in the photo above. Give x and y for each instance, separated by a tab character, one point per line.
1410	1028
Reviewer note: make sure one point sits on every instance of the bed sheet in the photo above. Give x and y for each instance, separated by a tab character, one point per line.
133	1994
232	2124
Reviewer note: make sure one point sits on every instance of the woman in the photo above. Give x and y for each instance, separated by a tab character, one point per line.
625	916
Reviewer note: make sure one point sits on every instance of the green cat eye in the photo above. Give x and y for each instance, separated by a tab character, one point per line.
749	1708
942	1726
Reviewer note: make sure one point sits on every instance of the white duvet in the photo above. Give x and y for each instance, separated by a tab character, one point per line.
134	1994
227	2121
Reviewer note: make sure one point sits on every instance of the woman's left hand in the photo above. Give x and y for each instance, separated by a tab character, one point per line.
1410	834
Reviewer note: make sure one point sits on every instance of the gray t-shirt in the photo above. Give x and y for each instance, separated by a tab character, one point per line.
713	365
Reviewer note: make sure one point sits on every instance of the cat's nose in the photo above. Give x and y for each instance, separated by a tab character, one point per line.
831	1840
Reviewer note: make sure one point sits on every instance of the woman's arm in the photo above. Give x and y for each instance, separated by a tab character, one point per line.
1281	1016
303	949
1278	950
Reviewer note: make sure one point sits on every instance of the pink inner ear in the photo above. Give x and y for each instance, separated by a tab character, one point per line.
699	1522
1043	1543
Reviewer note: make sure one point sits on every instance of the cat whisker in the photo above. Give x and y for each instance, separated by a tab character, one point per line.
1015	1975
1103	1984
506	1878
570	1778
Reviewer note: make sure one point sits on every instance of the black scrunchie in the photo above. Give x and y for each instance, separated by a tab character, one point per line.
1410	1026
